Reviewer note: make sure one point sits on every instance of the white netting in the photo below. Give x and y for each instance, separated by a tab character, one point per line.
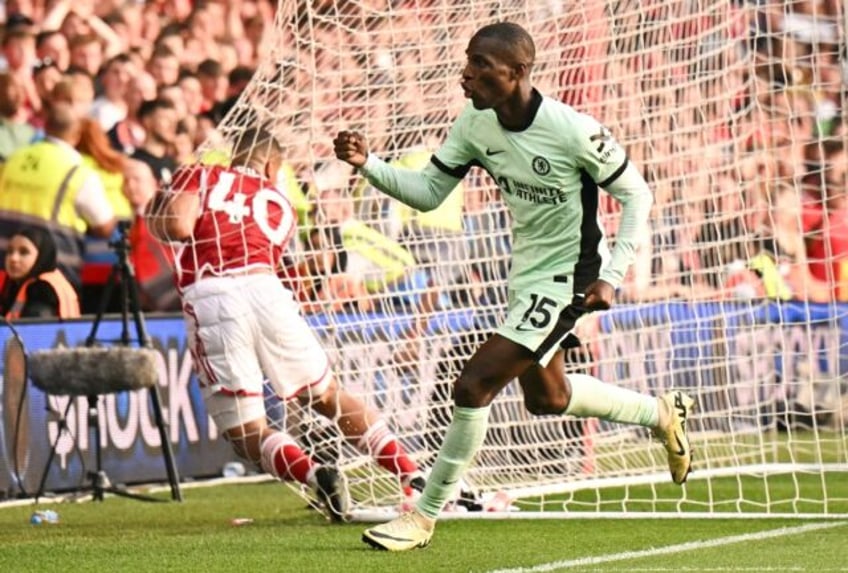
732	112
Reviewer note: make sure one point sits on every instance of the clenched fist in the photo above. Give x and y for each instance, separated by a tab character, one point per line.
350	146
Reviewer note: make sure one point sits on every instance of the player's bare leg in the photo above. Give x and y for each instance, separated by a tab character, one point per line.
366	430
277	453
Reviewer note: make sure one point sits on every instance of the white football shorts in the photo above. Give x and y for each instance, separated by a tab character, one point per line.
242	329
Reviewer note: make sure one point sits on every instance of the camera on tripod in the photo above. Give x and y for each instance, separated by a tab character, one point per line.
97	369
121	242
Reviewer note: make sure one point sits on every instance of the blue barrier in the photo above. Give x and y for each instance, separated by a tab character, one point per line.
699	341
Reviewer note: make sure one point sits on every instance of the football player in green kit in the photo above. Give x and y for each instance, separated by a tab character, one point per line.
549	161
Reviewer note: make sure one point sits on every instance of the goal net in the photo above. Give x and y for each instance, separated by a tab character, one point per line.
731	110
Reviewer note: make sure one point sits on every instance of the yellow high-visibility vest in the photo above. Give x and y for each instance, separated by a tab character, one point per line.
380	250
113	184
41	182
775	285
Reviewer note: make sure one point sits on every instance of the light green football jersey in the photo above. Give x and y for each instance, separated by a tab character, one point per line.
548	175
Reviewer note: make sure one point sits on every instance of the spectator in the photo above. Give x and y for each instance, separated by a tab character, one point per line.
110	106
19	52
184	142
117	22
99	257
164	67
159	119
173	94
98	155
78	19
152	261
86	54
52	45
77	89
782	260
826	222
46	75
213	83
192	93
48	184
126	135
238	79
170	37
33	287
14	131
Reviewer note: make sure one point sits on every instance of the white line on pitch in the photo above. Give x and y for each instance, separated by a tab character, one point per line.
596	559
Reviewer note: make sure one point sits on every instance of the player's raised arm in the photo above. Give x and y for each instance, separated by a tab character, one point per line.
423	190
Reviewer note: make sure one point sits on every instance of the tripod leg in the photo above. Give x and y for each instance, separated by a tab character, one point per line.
63	426
167	452
97	476
100	483
155	398
131	304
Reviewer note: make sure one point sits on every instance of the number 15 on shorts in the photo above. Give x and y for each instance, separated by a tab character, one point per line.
539	314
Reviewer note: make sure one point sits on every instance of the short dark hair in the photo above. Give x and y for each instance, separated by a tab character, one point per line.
210	67
240	74
16	32
45	35
122	58
150	106
519	39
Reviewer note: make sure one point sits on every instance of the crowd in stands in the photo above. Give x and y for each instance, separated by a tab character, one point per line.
764	213
100	102
740	129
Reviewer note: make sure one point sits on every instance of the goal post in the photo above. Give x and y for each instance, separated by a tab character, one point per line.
739	294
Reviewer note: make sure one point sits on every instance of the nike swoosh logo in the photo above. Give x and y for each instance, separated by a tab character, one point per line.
449	482
522	328
681	449
489	152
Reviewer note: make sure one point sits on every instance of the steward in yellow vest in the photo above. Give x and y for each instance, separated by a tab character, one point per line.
46	185
379	260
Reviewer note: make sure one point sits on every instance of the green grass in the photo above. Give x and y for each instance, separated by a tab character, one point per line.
803	493
196	535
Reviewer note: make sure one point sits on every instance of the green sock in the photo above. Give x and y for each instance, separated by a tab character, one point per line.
464	437
591	398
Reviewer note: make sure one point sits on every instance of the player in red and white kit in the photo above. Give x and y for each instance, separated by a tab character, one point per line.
243	325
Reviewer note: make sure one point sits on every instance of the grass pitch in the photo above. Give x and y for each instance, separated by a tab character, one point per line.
120	534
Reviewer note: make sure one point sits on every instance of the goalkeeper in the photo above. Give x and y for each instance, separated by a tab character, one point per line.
232	225
548	161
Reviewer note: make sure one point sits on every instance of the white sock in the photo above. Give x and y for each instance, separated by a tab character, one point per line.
591	398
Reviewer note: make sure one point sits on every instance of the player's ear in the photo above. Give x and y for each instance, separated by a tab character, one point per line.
520	70
272	166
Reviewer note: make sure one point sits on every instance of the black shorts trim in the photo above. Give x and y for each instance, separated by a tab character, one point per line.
561	331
